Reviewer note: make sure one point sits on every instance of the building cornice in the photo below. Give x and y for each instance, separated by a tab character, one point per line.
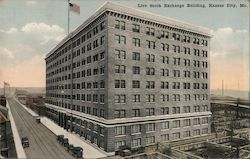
121	9
127	121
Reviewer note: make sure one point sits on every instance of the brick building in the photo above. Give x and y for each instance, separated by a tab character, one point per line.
129	77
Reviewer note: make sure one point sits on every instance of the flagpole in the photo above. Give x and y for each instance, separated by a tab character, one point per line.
4	88
68	17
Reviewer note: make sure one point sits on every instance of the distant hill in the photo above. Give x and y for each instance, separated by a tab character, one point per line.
230	93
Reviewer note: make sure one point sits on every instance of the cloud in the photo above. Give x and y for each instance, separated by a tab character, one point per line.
41	27
4	52
228	41
48	34
10	31
22	57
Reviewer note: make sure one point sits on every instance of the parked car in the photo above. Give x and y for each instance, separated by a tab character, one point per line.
25	142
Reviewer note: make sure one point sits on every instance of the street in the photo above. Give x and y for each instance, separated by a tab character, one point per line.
43	143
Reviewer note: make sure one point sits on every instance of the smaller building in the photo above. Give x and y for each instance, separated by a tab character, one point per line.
3	100
36	103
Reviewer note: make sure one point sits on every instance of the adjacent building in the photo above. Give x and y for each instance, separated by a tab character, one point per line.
129	77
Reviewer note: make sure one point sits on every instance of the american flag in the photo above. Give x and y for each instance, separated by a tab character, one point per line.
74	7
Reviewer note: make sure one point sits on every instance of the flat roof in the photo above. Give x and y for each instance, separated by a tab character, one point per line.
122	9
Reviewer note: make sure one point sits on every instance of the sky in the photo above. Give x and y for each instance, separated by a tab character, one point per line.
29	29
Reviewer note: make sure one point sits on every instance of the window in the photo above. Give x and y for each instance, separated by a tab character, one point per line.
120	84
150	84
150	31
118	144
119	114
186	85
95	43
135	84
187	74
95	30
120	39
186	62
150	127
95	57
186	134
164	110
177	48
120	130
176	135
102	84
164	97
136	42
165	137
150	140
196	121
136	70
150	111
120	98
205	131
186	122
120	24
176	97
177	61
164	72
102	40
103	25
102	55
101	115
120	69
176	85
165	47
136	113
150	58
176	110
176	123
165	59
150	71
95	97
102	97
186	109
135	129
204	120
164	85
165	125
150	44
196	132
120	54
136	142
164	34
95	84
136	28
136	56
150	98
102	69
197	108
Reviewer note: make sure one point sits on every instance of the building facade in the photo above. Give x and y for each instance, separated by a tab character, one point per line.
128	77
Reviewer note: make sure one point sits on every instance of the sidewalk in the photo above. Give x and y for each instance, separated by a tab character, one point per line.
89	151
18	144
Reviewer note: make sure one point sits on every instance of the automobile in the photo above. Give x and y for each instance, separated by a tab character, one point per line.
25	142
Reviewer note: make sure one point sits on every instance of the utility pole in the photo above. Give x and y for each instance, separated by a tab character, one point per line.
222	88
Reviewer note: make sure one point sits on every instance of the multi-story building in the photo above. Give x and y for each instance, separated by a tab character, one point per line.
129	77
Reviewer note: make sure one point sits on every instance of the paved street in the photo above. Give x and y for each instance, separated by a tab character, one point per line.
43	143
